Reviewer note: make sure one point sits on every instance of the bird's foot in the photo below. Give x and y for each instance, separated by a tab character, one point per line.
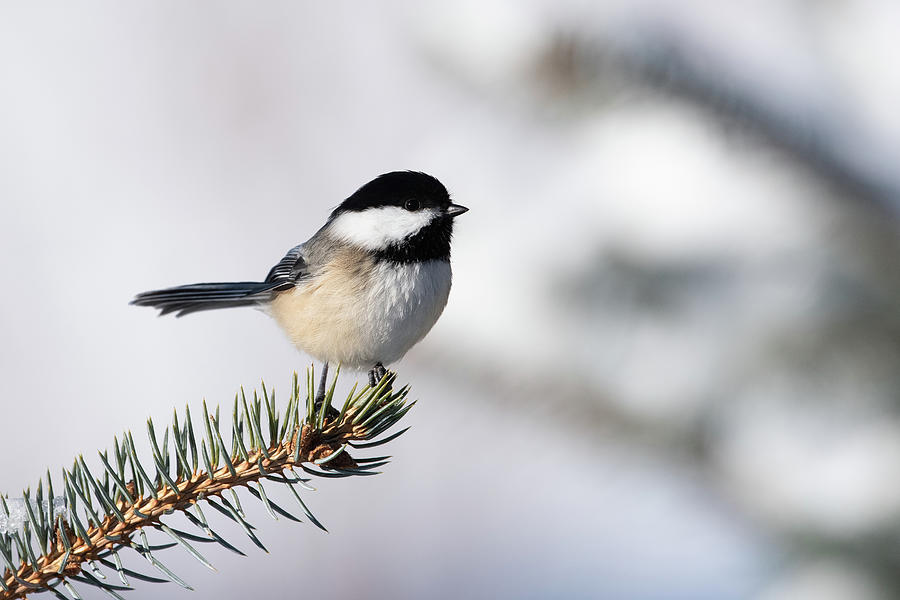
376	374
331	413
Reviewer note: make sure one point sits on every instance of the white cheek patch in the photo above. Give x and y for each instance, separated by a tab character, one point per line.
378	228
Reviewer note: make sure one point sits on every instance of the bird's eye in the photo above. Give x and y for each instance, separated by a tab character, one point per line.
411	204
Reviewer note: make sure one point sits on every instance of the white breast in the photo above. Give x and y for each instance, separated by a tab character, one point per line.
404	303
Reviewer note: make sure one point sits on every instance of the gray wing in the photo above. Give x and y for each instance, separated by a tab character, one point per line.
288	270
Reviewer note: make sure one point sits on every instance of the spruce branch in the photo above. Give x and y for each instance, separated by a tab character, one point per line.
73	538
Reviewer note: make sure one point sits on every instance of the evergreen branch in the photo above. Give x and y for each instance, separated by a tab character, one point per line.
49	543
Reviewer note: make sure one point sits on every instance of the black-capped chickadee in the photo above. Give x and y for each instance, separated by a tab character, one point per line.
363	289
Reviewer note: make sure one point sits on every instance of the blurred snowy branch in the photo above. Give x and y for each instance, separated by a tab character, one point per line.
817	130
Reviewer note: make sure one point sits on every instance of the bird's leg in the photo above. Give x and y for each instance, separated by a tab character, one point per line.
330	411
320	393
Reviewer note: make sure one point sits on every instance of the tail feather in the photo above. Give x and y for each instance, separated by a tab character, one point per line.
186	299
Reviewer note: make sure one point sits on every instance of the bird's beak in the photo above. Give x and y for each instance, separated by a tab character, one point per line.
454	210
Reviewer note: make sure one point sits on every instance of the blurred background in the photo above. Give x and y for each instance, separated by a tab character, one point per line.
670	364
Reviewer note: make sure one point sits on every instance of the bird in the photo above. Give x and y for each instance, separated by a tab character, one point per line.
363	290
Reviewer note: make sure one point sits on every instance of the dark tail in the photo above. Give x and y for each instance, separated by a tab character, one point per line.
186	299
